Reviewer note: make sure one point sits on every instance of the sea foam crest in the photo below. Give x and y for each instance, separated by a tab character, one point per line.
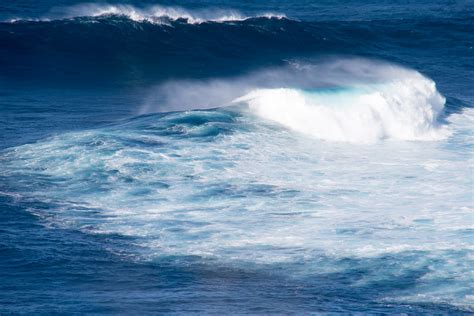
156	14
405	108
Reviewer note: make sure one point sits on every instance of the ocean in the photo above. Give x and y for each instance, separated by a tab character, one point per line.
236	157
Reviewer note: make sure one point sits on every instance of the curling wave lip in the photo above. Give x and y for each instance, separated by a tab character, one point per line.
406	108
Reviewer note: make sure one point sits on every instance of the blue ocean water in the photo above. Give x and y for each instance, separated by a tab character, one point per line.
236	157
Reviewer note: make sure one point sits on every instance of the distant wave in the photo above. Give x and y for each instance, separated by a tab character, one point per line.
155	14
126	45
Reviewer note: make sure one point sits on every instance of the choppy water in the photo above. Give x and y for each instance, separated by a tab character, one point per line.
218	157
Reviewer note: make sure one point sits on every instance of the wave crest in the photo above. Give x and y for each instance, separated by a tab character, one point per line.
155	14
403	109
352	100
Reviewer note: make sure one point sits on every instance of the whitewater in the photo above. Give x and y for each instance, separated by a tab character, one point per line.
155	14
282	177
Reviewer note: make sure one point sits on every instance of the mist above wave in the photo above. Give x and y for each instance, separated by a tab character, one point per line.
354	100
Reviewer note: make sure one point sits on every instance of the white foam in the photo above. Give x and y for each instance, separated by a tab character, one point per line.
404	108
156	14
265	195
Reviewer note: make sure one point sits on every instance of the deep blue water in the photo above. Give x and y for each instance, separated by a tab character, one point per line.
228	157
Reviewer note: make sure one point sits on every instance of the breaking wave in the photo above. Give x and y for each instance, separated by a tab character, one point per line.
405	109
155	14
229	186
352	100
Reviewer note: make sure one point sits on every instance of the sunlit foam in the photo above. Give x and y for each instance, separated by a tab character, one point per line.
405	108
235	188
156	14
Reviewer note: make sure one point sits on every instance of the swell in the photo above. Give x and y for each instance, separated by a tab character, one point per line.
115	48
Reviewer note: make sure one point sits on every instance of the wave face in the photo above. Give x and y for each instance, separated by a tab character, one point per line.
100	45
